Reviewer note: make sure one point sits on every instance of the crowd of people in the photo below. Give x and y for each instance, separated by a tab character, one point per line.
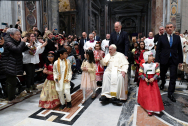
107	63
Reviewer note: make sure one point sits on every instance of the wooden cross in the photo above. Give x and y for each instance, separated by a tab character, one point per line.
65	5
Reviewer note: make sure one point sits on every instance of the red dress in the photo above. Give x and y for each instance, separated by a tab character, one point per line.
149	96
49	97
138	57
99	67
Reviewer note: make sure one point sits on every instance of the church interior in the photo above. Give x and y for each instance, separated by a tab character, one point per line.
138	18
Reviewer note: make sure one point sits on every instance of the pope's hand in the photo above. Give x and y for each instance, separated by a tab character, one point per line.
90	48
123	74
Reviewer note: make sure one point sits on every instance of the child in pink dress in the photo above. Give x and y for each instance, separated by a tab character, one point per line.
88	74
99	68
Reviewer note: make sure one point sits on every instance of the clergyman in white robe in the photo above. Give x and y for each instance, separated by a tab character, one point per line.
105	43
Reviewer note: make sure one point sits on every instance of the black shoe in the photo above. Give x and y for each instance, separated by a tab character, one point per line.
69	105
103	98
62	107
113	99
171	97
161	86
79	72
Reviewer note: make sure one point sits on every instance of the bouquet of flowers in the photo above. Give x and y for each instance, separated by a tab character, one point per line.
32	50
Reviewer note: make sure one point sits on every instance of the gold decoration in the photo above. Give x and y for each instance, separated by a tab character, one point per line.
59	70
126	92
65	5
173	10
113	94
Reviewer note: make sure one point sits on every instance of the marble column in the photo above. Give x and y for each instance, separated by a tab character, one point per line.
158	15
106	19
164	12
23	16
39	17
184	16
153	15
55	14
168	10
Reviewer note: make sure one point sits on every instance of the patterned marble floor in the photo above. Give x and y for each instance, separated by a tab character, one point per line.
94	113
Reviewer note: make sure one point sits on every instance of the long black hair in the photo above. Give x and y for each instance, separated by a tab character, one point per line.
91	56
47	61
144	45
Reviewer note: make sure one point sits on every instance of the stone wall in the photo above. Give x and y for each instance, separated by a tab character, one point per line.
184	16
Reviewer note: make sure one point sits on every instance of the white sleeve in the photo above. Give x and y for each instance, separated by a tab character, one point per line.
69	72
55	72
103	46
39	50
85	46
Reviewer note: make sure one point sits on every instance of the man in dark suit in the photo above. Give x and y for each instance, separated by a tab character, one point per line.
161	32
96	38
83	40
169	54
120	39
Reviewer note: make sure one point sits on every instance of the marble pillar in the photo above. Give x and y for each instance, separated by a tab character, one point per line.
168	10
55	15
164	12
153	15
39	17
158	15
184	16
23	23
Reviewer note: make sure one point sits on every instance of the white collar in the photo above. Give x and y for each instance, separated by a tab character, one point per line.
119	31
169	34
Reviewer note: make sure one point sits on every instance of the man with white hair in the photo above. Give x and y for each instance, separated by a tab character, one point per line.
115	76
120	39
90	45
105	44
149	42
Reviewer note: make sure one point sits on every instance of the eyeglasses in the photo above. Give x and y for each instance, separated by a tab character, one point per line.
169	27
50	56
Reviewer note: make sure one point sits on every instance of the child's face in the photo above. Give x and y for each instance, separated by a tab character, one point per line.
1	42
62	42
141	45
150	58
64	55
135	45
50	57
68	49
97	47
76	47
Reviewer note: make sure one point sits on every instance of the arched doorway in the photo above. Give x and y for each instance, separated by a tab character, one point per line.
129	25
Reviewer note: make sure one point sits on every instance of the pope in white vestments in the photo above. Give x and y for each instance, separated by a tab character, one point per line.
115	79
